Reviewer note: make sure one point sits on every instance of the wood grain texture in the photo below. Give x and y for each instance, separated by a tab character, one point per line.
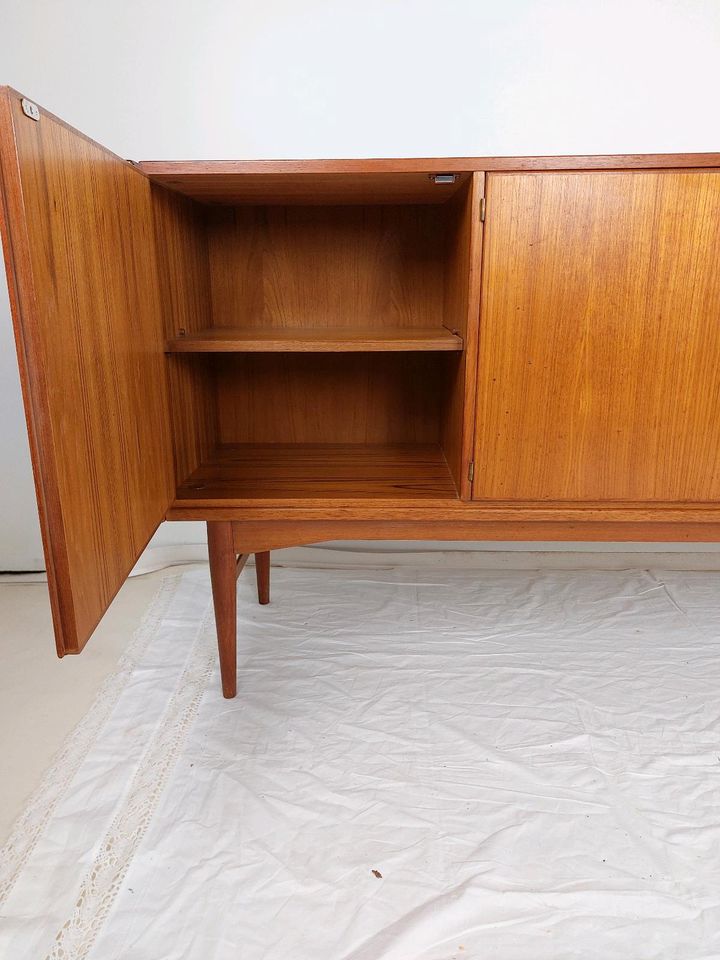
18	269
600	343
262	574
339	269
316	340
461	309
314	188
452	514
81	254
224	570
184	276
329	398
267	472
278	534
297	267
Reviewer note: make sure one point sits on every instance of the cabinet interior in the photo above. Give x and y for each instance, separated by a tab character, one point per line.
316	349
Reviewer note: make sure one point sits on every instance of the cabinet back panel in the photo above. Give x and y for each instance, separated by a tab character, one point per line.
599	372
355	266
329	398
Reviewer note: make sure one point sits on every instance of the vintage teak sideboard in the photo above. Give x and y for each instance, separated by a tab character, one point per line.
297	351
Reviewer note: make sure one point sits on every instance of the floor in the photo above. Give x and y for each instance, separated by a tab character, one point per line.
517	762
43	698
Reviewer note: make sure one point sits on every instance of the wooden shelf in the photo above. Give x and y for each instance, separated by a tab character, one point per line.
260	473
315	340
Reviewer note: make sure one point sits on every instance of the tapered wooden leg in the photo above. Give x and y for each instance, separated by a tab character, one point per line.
262	571
223	576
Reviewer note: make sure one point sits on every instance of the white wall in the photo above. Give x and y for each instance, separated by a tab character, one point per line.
217	79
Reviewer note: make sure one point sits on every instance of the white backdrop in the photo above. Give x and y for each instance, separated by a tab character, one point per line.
222	79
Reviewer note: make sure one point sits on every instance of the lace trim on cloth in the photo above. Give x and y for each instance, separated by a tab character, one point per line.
115	851
29	826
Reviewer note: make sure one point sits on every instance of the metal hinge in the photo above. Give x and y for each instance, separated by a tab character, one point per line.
482	209
471	471
30	109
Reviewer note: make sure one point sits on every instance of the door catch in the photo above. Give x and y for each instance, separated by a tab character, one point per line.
30	109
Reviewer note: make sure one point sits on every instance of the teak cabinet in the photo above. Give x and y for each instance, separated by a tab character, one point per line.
295	351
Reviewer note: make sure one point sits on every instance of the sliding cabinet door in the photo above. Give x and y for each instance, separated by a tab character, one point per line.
82	271
599	372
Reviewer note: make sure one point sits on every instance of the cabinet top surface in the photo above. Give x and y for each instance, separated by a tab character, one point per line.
162	169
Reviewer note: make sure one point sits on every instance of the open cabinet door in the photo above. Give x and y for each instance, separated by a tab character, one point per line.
82	271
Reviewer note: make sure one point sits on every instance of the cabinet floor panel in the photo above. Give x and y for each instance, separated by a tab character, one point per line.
248	473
